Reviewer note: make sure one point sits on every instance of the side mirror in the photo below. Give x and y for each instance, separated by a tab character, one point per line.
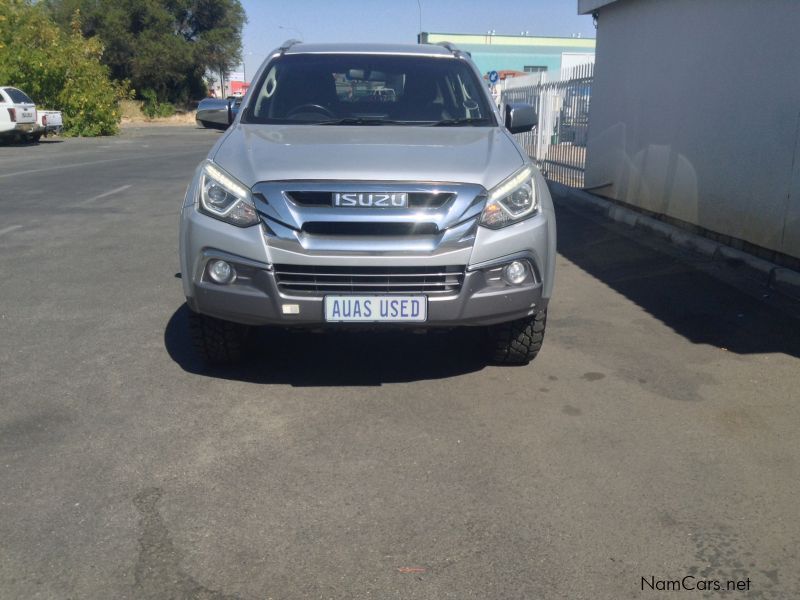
520	118
233	109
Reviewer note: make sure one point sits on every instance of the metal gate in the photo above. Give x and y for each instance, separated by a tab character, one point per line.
558	143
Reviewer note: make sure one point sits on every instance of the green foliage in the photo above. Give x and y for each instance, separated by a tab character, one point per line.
165	46
152	108
60	70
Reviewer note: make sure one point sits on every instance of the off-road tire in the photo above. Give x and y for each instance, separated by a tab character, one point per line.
517	342
218	342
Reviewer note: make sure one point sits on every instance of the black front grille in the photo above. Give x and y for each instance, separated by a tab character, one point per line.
301	279
415	199
369	228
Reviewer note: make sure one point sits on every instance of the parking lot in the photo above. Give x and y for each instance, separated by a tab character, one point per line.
654	436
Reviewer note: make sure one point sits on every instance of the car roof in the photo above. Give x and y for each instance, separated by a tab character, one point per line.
404	49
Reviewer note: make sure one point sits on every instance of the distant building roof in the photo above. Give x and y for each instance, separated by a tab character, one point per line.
356	48
485	39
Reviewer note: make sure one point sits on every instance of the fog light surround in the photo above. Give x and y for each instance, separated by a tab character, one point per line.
515	272
221	272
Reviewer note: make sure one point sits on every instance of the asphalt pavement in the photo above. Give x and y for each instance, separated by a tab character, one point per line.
655	436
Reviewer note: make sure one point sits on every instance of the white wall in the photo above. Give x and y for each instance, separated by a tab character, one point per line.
570	60
695	114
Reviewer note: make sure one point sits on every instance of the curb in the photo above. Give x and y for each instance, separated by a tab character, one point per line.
782	279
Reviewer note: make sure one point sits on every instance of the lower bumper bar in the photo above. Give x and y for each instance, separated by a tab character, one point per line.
255	299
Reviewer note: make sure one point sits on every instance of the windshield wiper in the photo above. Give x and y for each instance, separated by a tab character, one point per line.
363	121
461	121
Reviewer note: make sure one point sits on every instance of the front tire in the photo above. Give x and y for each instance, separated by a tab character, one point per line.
218	342
517	342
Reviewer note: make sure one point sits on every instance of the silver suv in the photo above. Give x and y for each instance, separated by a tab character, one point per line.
331	203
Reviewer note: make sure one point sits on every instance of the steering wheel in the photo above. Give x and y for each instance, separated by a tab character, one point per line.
311	108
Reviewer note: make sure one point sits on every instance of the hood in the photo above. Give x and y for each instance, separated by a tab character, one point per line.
477	155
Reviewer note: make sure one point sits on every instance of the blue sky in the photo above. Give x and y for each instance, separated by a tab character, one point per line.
270	23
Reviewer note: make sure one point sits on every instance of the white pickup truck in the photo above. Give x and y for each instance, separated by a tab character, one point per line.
17	115
48	121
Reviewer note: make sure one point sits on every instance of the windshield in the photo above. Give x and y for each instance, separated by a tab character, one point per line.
359	89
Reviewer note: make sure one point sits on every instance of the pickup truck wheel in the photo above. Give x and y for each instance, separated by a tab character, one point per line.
217	341
517	342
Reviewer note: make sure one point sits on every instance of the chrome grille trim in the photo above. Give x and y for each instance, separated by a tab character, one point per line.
325	229
309	280
325	198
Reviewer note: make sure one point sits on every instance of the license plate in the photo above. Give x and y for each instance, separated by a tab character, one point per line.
370	309
27	115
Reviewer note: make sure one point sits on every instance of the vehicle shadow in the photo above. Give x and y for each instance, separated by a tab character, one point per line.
337	358
667	283
29	144
212	127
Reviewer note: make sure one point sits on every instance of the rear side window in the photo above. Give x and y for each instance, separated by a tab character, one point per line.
18	96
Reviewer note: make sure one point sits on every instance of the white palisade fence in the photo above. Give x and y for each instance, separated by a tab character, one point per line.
558	143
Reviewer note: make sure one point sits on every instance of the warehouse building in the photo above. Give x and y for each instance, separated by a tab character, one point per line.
519	53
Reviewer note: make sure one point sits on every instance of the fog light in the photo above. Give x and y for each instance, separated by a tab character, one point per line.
515	272
221	272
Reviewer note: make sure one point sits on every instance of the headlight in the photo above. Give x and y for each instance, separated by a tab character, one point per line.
224	198
511	201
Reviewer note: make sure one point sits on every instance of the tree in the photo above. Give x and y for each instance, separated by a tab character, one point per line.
58	69
165	46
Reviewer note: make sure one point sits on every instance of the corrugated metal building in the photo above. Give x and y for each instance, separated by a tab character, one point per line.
695	115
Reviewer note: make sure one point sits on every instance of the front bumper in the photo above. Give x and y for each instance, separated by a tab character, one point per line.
257	300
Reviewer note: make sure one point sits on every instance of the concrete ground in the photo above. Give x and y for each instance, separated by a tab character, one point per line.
654	437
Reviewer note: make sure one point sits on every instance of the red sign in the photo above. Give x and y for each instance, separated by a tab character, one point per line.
238	88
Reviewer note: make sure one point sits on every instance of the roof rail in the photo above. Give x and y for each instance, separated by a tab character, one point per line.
449	45
457	52
288	44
